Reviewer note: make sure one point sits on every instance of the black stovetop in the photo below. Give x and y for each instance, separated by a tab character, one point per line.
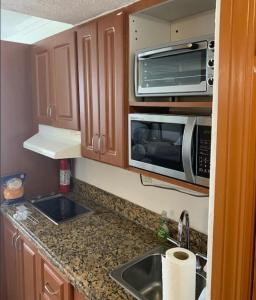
59	208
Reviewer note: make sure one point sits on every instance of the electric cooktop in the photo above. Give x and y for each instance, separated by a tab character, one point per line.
59	208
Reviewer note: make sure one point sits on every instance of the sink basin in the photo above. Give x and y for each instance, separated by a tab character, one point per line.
142	277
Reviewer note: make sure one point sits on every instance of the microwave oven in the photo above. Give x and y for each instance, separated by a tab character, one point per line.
183	68
171	145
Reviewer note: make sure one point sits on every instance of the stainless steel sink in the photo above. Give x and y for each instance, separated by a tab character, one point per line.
142	277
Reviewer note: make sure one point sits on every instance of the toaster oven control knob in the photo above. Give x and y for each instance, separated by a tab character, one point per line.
211	45
210	81
211	63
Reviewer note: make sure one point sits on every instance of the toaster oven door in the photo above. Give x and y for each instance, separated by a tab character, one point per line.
171	71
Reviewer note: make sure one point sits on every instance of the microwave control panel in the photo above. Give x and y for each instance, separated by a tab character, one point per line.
204	151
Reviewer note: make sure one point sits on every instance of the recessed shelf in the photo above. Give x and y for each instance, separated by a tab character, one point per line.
190	104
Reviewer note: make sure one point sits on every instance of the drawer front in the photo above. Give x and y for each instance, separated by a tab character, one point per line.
51	284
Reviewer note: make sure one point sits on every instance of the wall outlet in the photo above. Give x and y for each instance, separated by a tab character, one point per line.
146	179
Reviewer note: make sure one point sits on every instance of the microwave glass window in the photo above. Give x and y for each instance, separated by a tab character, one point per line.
157	144
187	68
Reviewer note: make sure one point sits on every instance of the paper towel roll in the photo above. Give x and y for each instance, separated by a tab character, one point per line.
179	274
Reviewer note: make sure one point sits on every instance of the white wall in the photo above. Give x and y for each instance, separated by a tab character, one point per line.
127	185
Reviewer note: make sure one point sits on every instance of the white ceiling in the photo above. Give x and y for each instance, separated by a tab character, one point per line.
67	11
21	28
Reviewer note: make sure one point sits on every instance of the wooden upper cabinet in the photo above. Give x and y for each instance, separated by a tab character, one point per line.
51	285
27	269
55	77
41	63
88	89
101	86
111	88
65	110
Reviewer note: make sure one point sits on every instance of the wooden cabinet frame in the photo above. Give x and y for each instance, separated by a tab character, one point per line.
233	266
234	203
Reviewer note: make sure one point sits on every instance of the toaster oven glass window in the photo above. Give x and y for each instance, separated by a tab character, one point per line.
170	69
157	144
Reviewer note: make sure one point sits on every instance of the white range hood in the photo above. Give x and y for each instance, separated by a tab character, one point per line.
55	143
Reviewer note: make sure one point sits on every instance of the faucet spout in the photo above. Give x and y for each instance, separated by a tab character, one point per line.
184	215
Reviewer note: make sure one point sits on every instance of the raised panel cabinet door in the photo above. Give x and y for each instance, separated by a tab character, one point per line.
111	88
42	88
64	76
11	270
78	296
27	269
51	285
88	89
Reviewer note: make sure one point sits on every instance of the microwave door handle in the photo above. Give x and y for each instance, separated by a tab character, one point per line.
187	149
157	52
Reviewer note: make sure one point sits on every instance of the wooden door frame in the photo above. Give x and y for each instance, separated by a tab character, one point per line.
234	203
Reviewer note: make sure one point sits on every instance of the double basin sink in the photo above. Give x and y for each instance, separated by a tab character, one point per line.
142	277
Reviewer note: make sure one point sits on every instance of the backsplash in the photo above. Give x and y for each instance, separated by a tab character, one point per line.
136	213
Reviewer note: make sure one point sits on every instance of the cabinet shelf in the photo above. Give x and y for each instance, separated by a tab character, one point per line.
190	104
177	182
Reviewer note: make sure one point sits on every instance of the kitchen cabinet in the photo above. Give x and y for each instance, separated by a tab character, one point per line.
28	276
101	86
27	269
51	285
11	267
78	296
41	74
55	76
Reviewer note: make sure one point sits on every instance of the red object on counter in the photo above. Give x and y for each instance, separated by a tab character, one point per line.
65	173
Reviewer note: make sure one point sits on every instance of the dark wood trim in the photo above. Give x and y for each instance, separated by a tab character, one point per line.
234	206
169	180
177	104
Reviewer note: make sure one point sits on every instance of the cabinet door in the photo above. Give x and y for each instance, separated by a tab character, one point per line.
27	269
78	296
11	270
42	88
64	75
88	89
51	286
111	88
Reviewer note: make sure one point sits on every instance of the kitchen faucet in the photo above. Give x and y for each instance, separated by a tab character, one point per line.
183	215
179	242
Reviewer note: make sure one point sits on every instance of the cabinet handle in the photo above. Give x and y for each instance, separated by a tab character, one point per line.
50	111
100	144
93	149
16	241
47	111
49	291
13	236
93	143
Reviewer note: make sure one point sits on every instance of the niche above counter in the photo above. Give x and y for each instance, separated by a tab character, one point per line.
165	23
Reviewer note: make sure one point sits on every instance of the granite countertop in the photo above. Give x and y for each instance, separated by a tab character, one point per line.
87	248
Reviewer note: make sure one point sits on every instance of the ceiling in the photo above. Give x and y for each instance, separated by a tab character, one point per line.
21	28
67	11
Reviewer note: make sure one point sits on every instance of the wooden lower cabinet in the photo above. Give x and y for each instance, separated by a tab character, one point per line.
27	269
10	261
78	296
28	275
51	285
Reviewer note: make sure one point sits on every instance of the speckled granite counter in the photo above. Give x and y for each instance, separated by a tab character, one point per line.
87	248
